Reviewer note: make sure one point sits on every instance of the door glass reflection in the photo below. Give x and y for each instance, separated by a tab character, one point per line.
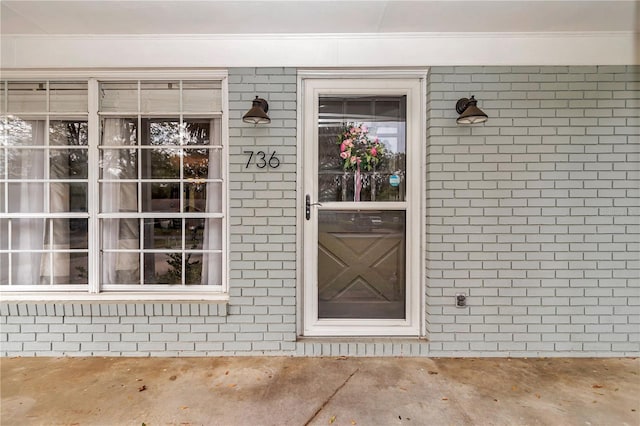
385	118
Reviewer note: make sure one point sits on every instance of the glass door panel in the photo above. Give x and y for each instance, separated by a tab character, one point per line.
384	119
361	250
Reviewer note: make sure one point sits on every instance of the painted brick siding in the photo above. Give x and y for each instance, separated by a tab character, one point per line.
110	329
260	316
535	214
262	309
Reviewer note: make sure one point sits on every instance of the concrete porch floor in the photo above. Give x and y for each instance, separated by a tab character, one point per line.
319	391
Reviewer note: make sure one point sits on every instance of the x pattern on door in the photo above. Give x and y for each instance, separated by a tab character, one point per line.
361	267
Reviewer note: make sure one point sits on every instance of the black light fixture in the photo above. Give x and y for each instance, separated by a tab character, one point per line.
469	111
258	112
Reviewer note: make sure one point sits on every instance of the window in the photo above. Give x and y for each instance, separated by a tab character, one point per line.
112	186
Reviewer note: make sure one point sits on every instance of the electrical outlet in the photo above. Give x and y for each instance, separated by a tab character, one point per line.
461	300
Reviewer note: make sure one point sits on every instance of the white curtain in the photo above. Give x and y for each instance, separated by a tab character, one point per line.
28	197
211	265
58	239
124	268
119	267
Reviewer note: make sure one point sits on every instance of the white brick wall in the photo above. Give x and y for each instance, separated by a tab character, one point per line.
535	215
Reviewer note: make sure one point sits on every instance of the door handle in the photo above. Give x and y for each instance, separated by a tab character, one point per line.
307	205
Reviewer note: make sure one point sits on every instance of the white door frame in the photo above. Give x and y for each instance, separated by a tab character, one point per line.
409	82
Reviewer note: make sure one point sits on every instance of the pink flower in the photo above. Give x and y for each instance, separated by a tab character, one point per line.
365	129
374	151
342	147
353	160
344	155
348	142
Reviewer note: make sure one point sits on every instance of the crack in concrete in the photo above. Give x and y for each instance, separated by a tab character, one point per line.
324	404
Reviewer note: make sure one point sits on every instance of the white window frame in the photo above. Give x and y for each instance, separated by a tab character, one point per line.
93	291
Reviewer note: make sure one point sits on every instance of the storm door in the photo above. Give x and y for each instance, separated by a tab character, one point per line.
361	201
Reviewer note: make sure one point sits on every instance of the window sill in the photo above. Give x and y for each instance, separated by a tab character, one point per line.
137	297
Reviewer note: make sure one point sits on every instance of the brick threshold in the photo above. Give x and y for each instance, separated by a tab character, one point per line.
362	346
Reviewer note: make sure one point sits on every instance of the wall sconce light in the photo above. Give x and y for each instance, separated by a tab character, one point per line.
469	111
258	112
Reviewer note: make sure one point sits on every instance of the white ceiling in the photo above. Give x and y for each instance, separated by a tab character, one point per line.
315	17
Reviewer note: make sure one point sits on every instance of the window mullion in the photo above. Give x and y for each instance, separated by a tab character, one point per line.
141	237
182	131
9	243
47	156
5	168
5	157
51	253
47	187
93	199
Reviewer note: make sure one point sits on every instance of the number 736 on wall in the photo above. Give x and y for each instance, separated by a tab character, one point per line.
260	159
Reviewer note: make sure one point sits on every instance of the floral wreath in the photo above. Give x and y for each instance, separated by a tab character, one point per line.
357	150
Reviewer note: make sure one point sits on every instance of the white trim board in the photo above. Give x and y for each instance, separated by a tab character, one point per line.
320	50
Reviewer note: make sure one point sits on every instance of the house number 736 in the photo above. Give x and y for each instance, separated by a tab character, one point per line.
261	161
